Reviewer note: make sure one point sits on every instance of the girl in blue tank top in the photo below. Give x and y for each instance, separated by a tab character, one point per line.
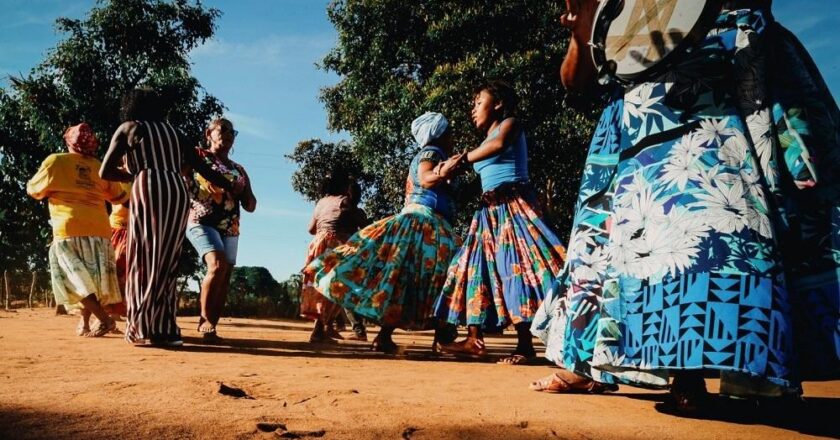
510	256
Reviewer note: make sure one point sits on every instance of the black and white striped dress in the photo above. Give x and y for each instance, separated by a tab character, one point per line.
159	207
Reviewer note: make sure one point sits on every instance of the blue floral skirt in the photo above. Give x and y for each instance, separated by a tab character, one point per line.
507	264
707	229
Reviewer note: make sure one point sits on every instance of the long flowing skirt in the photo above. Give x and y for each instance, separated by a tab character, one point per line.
392	271
507	264
707	226
313	305
83	266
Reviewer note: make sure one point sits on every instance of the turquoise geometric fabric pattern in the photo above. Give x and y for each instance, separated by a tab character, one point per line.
707	229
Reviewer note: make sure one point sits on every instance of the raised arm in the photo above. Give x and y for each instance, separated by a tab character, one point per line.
508	130
122	139
213	176
578	71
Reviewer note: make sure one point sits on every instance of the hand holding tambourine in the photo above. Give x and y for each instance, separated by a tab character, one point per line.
579	16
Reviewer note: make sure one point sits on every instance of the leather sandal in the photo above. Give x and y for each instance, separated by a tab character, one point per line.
475	350
567	382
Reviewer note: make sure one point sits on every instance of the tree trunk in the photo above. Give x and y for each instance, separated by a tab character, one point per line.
32	287
8	287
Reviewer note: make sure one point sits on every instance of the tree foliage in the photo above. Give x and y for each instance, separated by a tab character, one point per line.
396	61
254	292
119	45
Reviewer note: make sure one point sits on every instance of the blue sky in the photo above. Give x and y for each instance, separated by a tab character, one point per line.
261	64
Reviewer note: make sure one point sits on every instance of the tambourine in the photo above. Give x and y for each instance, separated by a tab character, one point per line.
635	40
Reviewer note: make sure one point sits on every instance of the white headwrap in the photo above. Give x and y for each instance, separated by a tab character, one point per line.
428	127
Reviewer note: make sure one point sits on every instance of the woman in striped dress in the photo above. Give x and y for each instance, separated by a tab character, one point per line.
159	205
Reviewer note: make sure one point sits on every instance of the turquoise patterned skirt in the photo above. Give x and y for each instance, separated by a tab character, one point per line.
390	272
708	223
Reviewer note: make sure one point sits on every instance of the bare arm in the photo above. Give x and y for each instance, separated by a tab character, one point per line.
212	176
247	199
120	142
432	174
578	71
313	223
509	128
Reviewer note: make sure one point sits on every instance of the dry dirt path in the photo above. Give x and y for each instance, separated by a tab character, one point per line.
57	385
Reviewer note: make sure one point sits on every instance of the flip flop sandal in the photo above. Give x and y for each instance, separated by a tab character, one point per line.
81	330
517	359
554	383
476	351
103	329
211	336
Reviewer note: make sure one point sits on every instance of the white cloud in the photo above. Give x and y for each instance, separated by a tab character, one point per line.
270	51
257	127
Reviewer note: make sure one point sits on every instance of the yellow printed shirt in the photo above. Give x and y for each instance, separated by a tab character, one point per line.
76	195
119	211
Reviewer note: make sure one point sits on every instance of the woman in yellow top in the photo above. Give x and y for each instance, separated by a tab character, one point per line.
82	268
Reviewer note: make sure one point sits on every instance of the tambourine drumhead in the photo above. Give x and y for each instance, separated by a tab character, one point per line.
638	35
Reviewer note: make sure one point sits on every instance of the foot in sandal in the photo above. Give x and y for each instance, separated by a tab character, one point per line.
518	359
471	347
83	328
568	382
103	328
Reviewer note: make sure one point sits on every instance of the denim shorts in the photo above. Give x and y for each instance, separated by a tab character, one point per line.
207	239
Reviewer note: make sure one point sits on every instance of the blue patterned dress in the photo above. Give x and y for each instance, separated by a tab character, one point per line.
706	229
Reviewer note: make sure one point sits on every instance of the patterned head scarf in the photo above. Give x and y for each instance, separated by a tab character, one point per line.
80	139
428	127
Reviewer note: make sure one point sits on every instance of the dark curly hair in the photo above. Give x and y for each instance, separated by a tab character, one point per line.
143	104
502	92
335	183
355	192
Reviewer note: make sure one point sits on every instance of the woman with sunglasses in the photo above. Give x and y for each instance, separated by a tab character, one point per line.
213	226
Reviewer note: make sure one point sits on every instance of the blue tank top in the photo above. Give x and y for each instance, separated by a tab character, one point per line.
436	198
510	165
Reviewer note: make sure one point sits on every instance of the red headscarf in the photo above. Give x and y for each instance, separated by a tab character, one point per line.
80	139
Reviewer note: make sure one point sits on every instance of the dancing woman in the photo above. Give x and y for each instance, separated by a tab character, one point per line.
155	156
706	229
510	256
82	268
391	272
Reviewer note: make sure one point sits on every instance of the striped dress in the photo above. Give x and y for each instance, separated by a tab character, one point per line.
159	207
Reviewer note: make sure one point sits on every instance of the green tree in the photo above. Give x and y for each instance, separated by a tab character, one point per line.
396	62
119	45
254	292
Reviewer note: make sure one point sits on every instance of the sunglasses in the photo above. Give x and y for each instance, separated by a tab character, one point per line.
226	129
